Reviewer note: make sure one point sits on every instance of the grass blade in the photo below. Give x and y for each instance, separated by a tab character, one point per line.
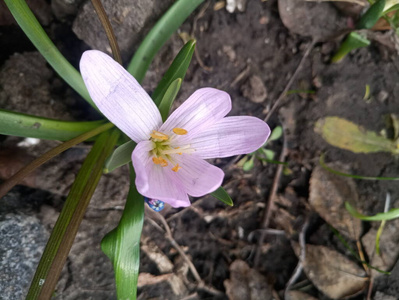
391	214
159	34
18	124
32	28
122	245
66	227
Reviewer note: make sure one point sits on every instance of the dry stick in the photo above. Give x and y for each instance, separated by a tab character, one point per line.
291	81
102	15
172	241
302	256
21	174
270	203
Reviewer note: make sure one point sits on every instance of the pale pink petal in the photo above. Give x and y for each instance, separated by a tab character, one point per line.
231	136
119	96
202	109
197	176
154	181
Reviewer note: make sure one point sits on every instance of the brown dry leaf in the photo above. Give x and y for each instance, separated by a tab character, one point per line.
331	272
246	283
328	193
389	251
297	295
347	135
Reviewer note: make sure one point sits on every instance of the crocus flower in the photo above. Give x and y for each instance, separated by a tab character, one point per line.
169	159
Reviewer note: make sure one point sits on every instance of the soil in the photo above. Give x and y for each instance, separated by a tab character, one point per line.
251	55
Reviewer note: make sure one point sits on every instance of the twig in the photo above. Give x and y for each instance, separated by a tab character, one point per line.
172	241
270	203
302	257
370	289
290	82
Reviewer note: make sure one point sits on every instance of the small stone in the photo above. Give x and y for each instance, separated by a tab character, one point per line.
254	89
382	96
230	53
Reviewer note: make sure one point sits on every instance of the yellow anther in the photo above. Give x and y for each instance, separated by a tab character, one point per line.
176	168
159	135
160	161
179	131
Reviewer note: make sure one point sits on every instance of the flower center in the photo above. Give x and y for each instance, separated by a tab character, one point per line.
164	150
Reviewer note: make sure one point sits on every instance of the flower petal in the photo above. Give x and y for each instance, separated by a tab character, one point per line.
202	109
231	136
154	181
119	96
197	176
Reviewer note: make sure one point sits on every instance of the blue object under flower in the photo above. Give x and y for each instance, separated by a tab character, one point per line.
154	204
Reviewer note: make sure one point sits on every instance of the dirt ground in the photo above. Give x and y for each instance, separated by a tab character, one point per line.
251	55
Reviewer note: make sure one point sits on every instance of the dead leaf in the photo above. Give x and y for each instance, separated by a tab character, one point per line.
328	193
331	272
246	283
389	251
344	134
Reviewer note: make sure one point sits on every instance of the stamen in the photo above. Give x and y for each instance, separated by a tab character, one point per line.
179	131
176	168
160	161
159	135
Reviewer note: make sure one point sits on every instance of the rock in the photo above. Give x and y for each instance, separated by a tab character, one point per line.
26	79
40	8
321	21
297	295
233	5
22	240
129	22
254	89
382	296
246	283
64	8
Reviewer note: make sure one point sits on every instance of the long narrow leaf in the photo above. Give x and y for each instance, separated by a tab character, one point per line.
159	34
32	28
18	124
122	245
177	69
168	98
66	227
120	157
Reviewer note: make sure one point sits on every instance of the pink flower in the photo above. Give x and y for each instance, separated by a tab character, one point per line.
169	159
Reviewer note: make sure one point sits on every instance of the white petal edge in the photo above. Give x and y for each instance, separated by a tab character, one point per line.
119	96
231	136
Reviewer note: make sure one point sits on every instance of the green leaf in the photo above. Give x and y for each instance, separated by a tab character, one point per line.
391	214
122	245
17	124
344	134
277	162
120	157
276	134
29	24
168	98
249	164
66	227
269	154
371	16
323	164
159	34
353	41
222	195
177	69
